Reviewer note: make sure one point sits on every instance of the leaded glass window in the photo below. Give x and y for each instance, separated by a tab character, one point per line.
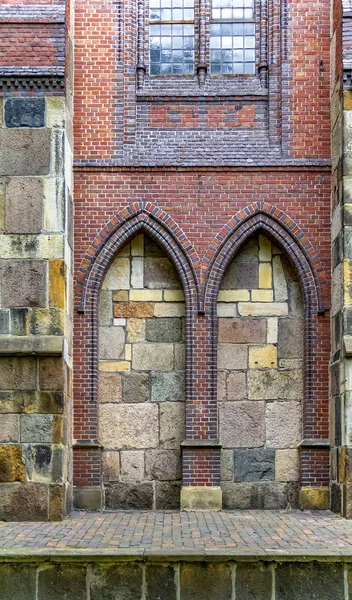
232	37
171	30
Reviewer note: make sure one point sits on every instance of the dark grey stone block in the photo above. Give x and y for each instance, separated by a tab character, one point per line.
36	428
32	291
164	329
168	495
151	249
19	321
17	582
167	387
135	387
241	276
160	582
4	322
129	495
118	582
42	462
290	338
24	502
25	112
312	581
254	464
335	497
60	582
205	582
253	582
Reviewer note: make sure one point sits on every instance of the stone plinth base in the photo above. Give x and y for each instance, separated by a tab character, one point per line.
314	498
201	498
88	498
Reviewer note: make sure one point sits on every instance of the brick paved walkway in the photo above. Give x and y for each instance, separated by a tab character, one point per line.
183	533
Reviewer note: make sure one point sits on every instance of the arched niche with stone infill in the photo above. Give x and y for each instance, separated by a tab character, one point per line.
260	377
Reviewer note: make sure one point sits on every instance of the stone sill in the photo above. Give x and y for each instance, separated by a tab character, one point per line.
347	345
39	344
201	444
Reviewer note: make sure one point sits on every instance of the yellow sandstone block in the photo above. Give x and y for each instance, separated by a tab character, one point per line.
113	366
138	310
233	296
265	276
262	296
135	330
174	296
137	246
57	283
263	357
264	249
169	310
55	111
120	296
146	295
126	250
128	352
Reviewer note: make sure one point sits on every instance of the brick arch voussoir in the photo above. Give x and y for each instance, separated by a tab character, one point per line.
263	217
140	217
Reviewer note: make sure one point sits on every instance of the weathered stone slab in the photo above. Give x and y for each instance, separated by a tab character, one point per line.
164	329
290	338
172	424
272	384
242	424
4	322
241	276
118	275
221	386
24	502
36	428
286	465
137	272
167	495
167	387
201	581
159	273
253	581
111	343
263	357
226	465
254	464
117	582
135	387
44	463
152	249
33	278
310	581
18	373
236	386
242	331
283	424
51	374
47	321
19	321
135	330
263	309
123	495
110	466
160	582
137	310
280	285
169	309
32	246
164	465
24	204
105	307
180	357
132	465
18	581
11	465
232	356
9	428
62	581
25	152
24	112
258	495
129	426
152	357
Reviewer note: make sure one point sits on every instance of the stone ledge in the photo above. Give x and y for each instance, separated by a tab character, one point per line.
347	345
315	443
201	444
40	344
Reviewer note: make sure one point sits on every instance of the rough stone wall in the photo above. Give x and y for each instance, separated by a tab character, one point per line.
260	378
141	378
35	309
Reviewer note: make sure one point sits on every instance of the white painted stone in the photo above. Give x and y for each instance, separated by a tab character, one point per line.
227	309
169	309
129	426
283	424
119	322
118	275
152	357
132	465
172	424
262	309
280	285
272	330
137	273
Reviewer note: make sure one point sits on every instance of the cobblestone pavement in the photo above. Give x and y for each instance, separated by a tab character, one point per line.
173	532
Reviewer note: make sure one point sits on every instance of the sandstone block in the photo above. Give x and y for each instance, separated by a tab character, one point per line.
32	291
110	462
242	331
280	285
129	426
24	112
202	581
232	356
164	330
160	582
236	386
31	402
135	387
174	296
43	463
54	206
110	389
265	275
272	333
286	465
105	307
120	582
120	295
132	465
233	296
125	495
241	276
221	386
146	295
47	321
115	366
135	330
31	246
242	424
253	582
51	374
167	495
272	384
23	204
57	283
24	502
226	309
295	299
118	275
36	428
263	357
264	249
137	310
291	338
18	581
180	357
172	424
283	424
167	387
137	273
159	273
262	296
18	373
152	357
25	152
62	581
169	309
9	428
226	465
55	111
19	321
259	495
111	343
137	245
263	309
164	465
310	581
255	464
11	465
